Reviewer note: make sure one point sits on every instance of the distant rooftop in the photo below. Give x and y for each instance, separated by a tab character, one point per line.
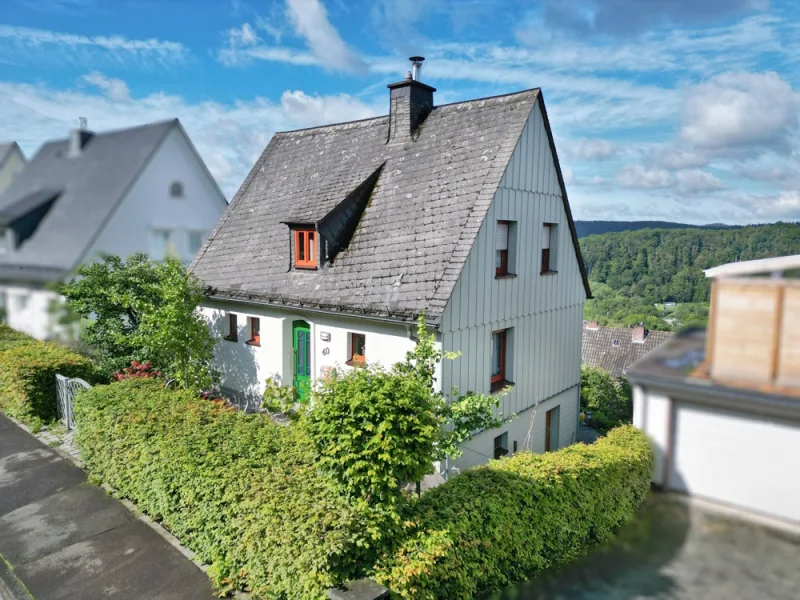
761	266
617	348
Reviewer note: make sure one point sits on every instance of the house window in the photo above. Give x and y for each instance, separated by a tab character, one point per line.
232	330
548	247
7	241
357	350
196	239
515	447
161	244
615	342
551	429
254	325
501	249
501	445
499	359
176	189
305	251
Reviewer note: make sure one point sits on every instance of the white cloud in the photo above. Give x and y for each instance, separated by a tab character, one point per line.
115	89
739	111
592	149
692	181
34	44
229	137
677	157
310	20
641	178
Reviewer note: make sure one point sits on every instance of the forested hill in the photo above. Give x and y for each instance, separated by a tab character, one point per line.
585	228
660	265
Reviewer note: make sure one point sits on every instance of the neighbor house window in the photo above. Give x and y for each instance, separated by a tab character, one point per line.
499	359
501	445
254	325
615	342
305	248
196	239
176	189
232	328
358	349
548	247
501	249
161	244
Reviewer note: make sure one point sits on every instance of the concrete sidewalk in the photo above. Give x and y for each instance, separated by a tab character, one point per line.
61	537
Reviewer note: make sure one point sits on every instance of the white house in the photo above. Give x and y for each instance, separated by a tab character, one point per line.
12	161
722	406
144	189
342	235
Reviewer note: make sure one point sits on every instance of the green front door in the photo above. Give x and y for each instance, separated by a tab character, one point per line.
301	342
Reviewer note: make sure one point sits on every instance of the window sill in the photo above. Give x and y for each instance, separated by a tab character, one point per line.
356	364
506	276
253	343
231	338
548	273
306	267
499	386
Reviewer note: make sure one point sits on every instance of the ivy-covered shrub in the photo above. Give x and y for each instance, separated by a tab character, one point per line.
28	378
508	520
238	489
11	338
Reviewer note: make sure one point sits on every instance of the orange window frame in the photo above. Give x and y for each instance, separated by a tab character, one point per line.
305	248
255	332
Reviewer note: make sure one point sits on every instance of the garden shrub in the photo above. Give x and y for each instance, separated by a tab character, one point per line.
11	338
513	518
238	489
28	378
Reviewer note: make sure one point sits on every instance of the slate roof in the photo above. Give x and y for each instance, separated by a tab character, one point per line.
598	350
413	237
91	186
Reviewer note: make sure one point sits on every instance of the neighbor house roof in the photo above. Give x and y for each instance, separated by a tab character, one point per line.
418	225
776	264
6	150
599	349
85	190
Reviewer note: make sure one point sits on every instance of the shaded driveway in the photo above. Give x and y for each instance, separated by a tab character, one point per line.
674	550
61	537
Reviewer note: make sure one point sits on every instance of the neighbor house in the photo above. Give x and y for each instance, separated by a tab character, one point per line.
12	161
342	235
143	189
615	349
722	406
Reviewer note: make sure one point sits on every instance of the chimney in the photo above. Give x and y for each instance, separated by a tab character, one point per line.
410	101
639	334
78	138
593	325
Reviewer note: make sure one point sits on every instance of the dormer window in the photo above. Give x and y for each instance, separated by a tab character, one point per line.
305	248
176	189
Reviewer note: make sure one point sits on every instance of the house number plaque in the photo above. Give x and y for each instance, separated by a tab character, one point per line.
325	336
326	351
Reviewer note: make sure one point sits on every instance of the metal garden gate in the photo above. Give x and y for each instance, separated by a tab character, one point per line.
66	389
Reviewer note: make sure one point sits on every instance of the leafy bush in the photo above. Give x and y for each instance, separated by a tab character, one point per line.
506	521
28	378
137	370
11	338
238	489
609	398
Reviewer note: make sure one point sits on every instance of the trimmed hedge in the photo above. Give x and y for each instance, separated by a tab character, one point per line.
511	519
238	489
28	377
246	495
11	338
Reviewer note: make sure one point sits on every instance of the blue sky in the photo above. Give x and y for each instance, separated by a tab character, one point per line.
662	109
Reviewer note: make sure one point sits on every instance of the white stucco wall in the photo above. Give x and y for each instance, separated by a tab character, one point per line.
13	164
27	309
728	456
245	368
148	205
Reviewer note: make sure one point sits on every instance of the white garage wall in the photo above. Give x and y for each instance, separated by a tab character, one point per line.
651	414
737	459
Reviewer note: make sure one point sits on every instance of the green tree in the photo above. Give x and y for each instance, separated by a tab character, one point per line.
374	429
608	398
172	334
139	309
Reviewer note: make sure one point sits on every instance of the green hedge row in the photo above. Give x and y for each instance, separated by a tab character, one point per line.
501	523
240	490
28	375
11	338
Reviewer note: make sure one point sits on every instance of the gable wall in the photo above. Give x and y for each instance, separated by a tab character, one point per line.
10	168
545	312
149	206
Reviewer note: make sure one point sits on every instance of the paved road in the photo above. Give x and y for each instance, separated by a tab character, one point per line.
64	538
680	552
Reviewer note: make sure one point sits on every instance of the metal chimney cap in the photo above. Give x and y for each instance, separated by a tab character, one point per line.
416	59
